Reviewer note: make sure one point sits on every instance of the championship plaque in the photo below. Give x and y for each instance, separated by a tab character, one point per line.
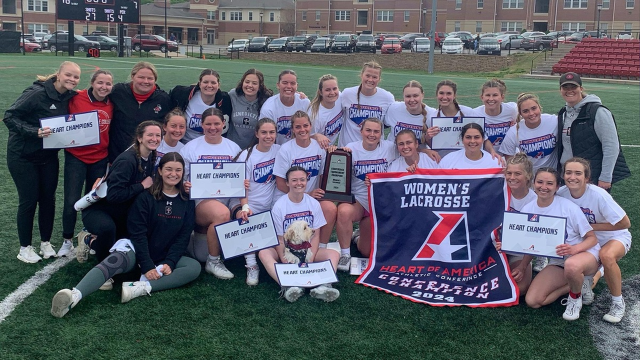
336	178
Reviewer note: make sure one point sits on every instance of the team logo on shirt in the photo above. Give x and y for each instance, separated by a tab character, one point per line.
263	172
311	164
539	147
157	109
359	113
303	215
448	240
284	126
591	217
168	208
363	167
334	125
195	122
496	132
417	129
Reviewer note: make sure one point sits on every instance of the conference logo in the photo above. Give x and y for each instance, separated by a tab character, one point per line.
448	240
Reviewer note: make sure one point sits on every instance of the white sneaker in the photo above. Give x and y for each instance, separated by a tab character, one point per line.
356	236
108	285
218	270
293	293
587	293
572	312
28	255
539	263
82	252
616	312
46	250
325	293
131	290
63	301
65	249
253	274
344	264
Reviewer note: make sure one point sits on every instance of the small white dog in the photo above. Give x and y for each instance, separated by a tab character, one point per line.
297	241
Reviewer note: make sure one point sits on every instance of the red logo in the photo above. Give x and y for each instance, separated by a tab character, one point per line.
569	76
448	239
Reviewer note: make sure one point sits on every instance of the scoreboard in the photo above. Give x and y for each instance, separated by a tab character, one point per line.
115	11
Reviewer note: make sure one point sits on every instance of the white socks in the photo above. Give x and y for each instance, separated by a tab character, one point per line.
251	259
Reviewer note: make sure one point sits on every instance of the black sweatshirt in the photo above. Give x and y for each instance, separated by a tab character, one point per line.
160	229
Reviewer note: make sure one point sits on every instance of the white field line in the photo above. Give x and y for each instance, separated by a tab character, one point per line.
631	146
23	291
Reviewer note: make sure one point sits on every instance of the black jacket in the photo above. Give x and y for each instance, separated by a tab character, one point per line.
128	114
180	96
40	100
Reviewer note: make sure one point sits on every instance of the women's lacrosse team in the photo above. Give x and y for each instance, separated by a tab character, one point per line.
146	224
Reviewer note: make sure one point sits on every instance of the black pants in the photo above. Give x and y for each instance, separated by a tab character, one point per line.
108	222
36	183
76	175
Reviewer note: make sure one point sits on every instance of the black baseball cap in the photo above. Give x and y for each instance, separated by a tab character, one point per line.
570	78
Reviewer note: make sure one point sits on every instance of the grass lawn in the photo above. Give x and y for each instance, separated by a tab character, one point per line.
212	318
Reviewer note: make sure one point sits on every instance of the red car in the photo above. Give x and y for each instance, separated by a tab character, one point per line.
29	47
148	42
391	46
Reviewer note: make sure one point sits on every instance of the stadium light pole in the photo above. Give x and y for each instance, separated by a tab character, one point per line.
261	15
599	6
434	14
166	30
24	52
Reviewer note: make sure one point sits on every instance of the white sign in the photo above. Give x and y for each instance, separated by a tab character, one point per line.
449	136
306	274
69	131
217	180
358	265
238	237
532	234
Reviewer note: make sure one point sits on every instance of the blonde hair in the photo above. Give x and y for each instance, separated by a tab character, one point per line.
416	84
315	103
144	65
494	83
368	65
62	66
522	98
523	160
298	115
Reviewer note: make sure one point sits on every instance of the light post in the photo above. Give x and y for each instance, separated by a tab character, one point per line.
261	15
599	6
424	20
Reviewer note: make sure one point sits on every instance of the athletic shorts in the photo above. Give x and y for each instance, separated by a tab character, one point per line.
625	240
225	202
595	251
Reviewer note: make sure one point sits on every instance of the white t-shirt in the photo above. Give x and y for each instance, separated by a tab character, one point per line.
577	225
275	110
398	119
517	204
496	127
598	207
262	182
194	117
400	164
285	212
539	144
374	106
366	162
198	150
328	122
310	158
164	148
458	160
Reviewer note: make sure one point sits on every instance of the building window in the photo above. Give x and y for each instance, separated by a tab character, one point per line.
272	16
385	16
343	15
458	4
407	15
250	15
363	17
211	15
575	4
478	26
512	4
9	6
574	26
363	1
224	16
304	15
511	26
456	26
604	27
235	15
38	5
628	26
317	15
631	4
480	4
606	4
38	28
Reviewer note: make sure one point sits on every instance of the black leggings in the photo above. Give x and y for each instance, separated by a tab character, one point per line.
36	183
108	223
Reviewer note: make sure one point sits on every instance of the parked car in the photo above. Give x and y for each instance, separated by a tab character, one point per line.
391	46
440	36
26	46
539	43
106	43
322	44
380	38
148	42
278	44
29	37
510	41
624	35
60	42
407	39
560	35
488	35
344	43
366	42
238	45
488	46
299	43
259	44
452	45
466	37
421	45
532	33
39	36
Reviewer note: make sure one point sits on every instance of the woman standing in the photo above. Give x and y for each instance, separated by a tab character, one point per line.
411	114
326	112
498	115
472	156
610	224
247	99
134	102
35	170
587	129
282	106
156	246
195	99
83	165
364	101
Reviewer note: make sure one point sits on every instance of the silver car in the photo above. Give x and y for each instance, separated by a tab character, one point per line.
510	41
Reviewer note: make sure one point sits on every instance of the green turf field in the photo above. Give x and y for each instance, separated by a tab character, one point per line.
212	318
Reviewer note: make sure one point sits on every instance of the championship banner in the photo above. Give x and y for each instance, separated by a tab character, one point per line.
431	238
73	130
